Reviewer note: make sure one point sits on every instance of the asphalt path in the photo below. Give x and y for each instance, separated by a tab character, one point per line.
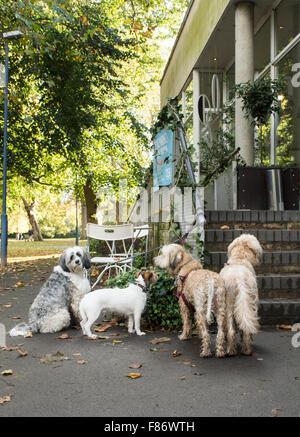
90	376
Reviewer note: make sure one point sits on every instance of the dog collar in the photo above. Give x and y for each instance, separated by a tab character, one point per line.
144	288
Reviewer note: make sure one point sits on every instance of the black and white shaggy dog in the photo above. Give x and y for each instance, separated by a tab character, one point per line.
59	298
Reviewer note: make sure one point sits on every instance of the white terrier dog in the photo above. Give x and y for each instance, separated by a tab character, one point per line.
129	302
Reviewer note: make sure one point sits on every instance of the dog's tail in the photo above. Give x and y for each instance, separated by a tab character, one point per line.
245	310
209	301
23	329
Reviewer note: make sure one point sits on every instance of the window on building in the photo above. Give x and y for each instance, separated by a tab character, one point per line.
288	130
287	22
262	47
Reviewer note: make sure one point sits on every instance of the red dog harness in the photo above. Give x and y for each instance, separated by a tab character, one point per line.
178	291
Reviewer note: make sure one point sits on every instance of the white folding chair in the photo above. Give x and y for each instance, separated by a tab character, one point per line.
117	259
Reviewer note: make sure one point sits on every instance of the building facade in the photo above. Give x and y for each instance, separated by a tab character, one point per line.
222	43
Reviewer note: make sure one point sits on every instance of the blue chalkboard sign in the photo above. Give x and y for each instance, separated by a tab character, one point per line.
163	159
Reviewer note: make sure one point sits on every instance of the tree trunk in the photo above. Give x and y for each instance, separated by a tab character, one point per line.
37	236
83	221
91	202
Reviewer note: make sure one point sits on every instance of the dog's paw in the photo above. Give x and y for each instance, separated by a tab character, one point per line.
206	354
183	337
141	333
220	354
92	337
131	331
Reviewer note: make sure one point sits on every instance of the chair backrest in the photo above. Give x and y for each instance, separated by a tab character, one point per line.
141	231
109	233
112	234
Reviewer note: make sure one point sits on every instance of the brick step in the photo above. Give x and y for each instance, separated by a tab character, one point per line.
272	262
270	239
247	216
277	311
254	225
288	282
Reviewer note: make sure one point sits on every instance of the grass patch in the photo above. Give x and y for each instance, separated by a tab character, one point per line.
53	246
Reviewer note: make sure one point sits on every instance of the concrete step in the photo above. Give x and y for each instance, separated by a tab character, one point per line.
272	262
271	240
279	311
247	216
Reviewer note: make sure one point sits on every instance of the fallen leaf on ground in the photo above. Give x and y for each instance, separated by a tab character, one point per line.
297	378
176	353
159	340
6	398
199	374
225	228
22	353
186	363
117	341
19	284
94	273
275	411
81	362
135	366
182	377
51	358
133	375
15	317
285	327
7	372
154	349
76	354
28	335
103	328
7	306
93	338
104	337
63	336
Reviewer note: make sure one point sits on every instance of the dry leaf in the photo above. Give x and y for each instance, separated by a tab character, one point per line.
7	372
51	358
135	366
94	273
6	398
285	327
15	317
81	362
104	337
63	336
19	284
182	377
102	328
133	375
160	340
28	335
117	341
176	353
76	354
275	411
7	306
22	353
225	228
93	338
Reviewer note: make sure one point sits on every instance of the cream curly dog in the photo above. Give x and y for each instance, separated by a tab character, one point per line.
202	289
242	295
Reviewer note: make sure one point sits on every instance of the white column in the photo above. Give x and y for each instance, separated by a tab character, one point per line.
196	140
196	121
244	71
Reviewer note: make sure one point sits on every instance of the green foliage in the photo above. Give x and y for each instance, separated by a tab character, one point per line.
260	98
162	309
166	119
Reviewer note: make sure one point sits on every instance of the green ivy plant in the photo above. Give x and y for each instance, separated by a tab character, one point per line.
162	309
